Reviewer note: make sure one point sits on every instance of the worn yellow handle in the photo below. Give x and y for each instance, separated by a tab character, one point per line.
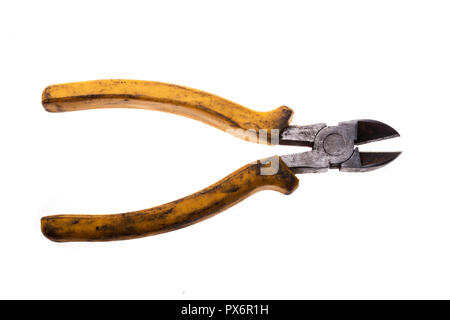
213	110
174	215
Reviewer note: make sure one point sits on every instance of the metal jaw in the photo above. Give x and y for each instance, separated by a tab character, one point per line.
333	147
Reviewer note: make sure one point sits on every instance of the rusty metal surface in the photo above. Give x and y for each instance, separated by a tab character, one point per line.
300	135
333	147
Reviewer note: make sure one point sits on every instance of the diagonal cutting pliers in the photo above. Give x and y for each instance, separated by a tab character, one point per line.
333	147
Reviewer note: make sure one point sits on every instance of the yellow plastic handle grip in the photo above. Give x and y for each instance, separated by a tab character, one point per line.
174	215
213	110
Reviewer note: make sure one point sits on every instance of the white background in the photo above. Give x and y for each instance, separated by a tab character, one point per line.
383	234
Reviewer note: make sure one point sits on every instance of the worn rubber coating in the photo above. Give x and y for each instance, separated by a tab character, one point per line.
174	215
195	104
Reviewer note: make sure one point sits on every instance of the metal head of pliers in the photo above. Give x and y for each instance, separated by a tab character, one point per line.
333	147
